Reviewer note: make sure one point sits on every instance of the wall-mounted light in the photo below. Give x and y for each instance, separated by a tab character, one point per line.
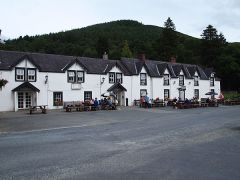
46	79
102	81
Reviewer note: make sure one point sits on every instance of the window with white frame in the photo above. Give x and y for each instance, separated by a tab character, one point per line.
20	74
166	79
31	74
196	81
181	80
87	95
80	76
196	93
71	76
166	94
211	81
119	78
143	79
111	77
57	98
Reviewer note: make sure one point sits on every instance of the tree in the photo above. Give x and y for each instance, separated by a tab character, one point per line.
168	41
212	46
126	52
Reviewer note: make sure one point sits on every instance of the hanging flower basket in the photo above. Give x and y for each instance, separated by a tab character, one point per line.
3	82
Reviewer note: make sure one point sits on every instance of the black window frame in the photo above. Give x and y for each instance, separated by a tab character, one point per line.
24	74
121	79
181	80
57	103
114	76
74	77
212	81
83	80
28	74
196	90
196	80
143	83
166	82
85	92
168	92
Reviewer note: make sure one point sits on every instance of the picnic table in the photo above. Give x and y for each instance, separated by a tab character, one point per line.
42	108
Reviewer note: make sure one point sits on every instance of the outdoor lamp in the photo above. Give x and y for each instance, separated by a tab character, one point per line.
46	79
103	79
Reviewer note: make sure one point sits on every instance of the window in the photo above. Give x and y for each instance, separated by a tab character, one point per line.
111	77
119	77
196	93
181	80
80	76
87	95
196	81
211	81
143	92
71	76
143	79
57	98
31	74
20	74
166	94
213	93
166	79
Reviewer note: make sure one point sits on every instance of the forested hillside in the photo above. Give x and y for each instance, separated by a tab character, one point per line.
127	38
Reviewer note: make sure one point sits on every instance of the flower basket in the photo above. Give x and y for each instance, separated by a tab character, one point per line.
3	82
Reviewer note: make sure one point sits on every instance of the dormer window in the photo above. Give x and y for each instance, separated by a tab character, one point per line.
196	81
181	80
31	75
211	81
75	76
20	74
80	76
166	79
143	79
71	76
111	78
119	78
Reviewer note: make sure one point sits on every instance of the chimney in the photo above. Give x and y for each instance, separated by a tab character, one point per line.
142	57
173	59
105	56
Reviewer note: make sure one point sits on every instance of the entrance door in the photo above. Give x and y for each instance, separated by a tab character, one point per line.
120	95
24	100
181	95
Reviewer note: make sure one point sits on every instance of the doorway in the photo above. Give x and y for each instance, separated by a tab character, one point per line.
182	95
25	100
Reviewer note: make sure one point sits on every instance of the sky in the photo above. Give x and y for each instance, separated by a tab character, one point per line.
34	17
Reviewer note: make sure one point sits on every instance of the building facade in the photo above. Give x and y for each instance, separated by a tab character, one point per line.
45	79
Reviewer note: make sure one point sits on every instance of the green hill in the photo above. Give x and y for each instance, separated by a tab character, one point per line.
93	41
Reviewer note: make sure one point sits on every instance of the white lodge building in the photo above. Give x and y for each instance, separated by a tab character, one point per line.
45	79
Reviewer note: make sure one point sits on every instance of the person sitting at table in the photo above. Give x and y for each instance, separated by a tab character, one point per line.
147	101
187	101
142	101
109	102
174	102
96	103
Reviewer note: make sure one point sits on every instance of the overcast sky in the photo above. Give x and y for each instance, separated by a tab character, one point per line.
31	17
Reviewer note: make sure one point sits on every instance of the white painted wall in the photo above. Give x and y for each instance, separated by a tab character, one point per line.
58	82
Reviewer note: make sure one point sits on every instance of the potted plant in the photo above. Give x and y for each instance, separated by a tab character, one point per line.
3	82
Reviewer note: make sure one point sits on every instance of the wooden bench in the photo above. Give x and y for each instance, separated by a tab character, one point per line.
42	108
69	108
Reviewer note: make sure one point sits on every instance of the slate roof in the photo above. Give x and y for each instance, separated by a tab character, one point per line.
117	86
129	66
26	86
